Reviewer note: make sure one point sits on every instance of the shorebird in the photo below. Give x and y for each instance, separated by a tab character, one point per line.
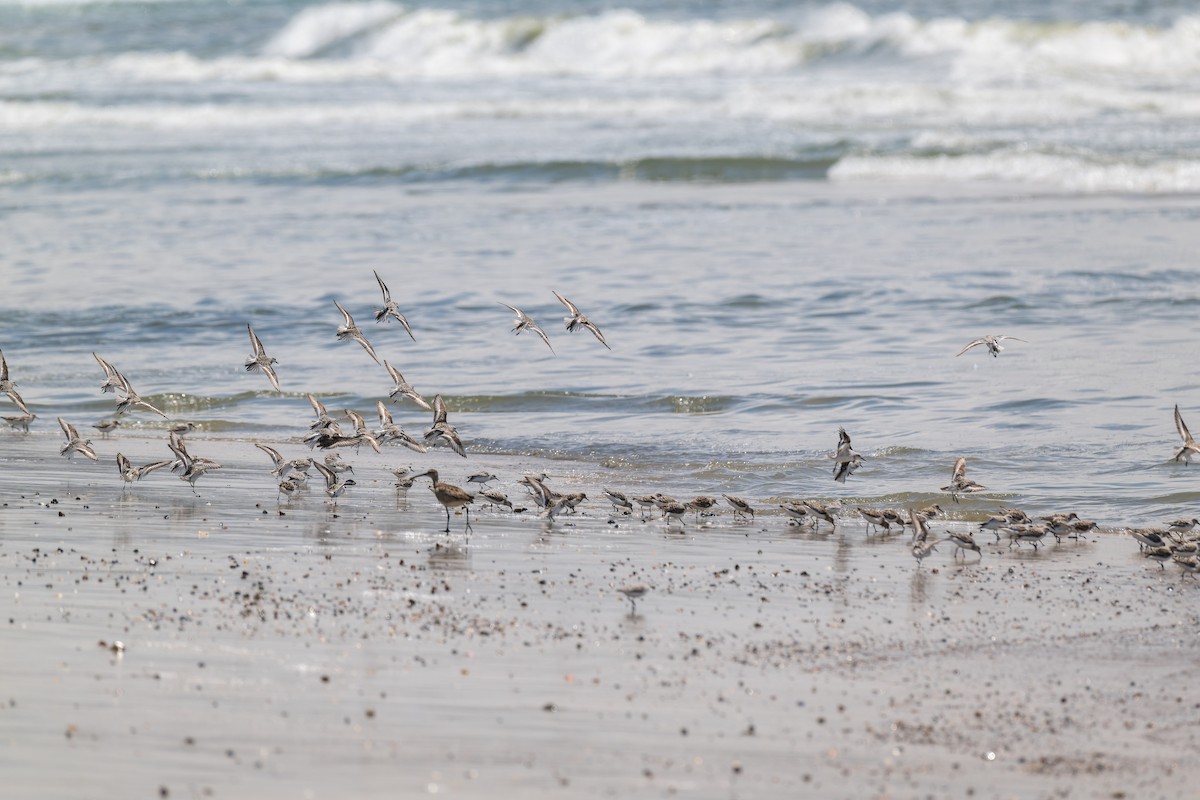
289	486
1148	537
1033	534
922	544
674	510
619	501
193	468
875	519
348	330
959	484
524	322
1182	525
441	430
495	497
821	512
963	541
260	361
6	385
75	444
1159	554
182	428
323	420
389	431
449	495
404	389
389	310
1189	564
334	463
1190	448
334	488
107	426
282	465
645	502
361	432
112	378
992	343
701	503
130	473
796	510
23	419
633	594
578	320
740	507
132	399
481	477
845	459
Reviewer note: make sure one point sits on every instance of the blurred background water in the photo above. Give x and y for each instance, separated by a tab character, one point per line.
786	217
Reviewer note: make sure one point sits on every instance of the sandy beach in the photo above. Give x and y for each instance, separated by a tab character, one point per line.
163	645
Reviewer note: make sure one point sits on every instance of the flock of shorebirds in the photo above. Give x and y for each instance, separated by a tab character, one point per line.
1177	542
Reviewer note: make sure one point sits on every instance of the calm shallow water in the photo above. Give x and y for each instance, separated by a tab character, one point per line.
747	323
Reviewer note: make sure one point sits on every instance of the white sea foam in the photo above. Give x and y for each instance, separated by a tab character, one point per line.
316	29
1071	173
380	39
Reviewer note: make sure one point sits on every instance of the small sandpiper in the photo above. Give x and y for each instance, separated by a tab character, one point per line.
740	507
1189	448
334	488
348	330
260	361
404	389
389	310
959	484
619	501
130	473
992	343
578	320
524	322
633	594
75	443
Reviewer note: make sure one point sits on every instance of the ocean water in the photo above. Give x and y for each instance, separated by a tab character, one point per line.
785	217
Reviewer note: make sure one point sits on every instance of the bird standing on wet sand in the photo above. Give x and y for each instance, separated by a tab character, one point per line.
633	594
923	544
449	495
389	310
21	420
348	330
260	361
740	507
992	342
578	320
1190	448
619	501
524	322
963	541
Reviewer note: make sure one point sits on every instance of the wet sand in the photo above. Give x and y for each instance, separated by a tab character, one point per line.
287	650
